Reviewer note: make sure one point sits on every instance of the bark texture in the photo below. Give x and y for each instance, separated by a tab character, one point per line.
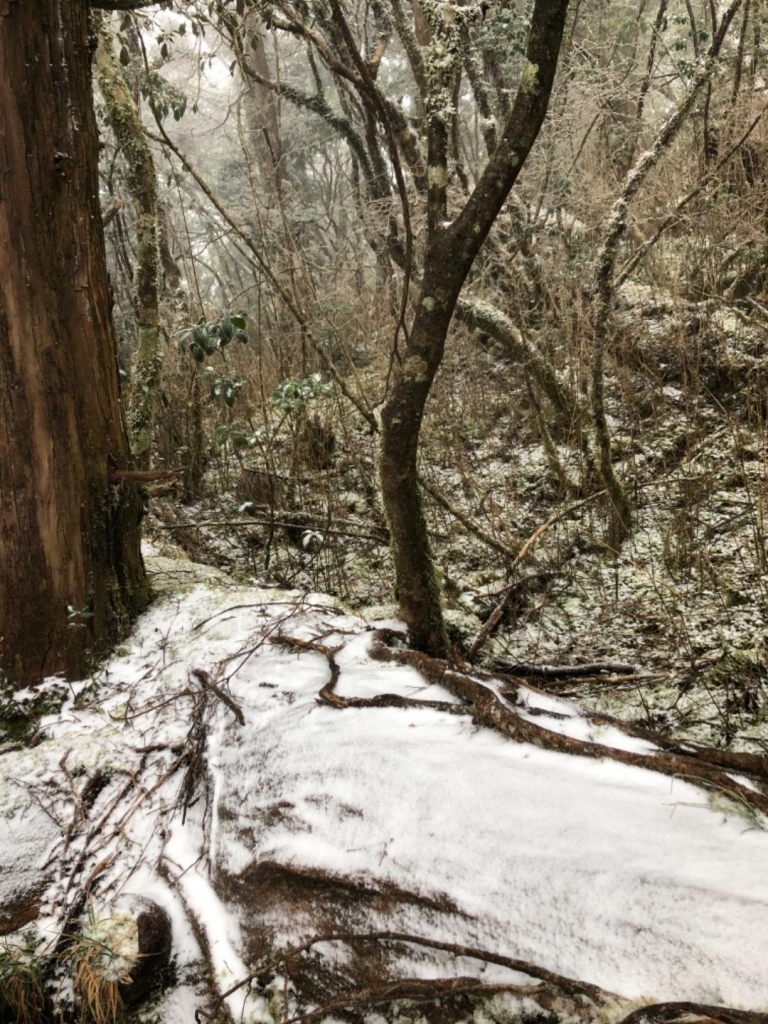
451	250
71	574
141	181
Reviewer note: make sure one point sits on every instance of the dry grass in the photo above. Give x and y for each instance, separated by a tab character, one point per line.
21	984
100	959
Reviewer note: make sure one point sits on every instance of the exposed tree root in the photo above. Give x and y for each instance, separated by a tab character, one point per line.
698	765
549	988
704	766
412	989
556	994
328	695
558	981
663	1012
547	984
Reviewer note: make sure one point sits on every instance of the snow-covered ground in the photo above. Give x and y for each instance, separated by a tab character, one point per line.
599	871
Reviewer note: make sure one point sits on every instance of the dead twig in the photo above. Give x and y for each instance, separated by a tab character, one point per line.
466	520
207	683
495	617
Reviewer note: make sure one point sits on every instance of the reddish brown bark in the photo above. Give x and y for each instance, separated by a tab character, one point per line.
71	574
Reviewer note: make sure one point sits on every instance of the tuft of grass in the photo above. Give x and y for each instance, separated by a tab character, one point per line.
22	995
100	959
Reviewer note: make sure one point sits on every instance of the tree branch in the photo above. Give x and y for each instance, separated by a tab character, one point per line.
126	5
298	314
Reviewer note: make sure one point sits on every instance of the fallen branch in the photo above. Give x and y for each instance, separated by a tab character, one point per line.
207	683
284	524
466	520
142	476
565	671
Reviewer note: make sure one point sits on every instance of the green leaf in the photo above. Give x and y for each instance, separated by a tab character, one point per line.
239	322
125	57
197	353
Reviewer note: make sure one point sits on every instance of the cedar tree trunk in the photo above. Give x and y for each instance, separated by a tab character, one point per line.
71	574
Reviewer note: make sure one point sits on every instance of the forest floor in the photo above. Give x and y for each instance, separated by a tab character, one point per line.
685	601
572	828
339	831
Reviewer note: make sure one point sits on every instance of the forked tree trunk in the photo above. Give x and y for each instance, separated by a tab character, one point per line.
451	250
71	574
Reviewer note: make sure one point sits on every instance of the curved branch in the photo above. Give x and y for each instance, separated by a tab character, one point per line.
485	317
317	104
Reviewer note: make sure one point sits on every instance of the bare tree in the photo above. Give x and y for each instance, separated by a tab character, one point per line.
451	249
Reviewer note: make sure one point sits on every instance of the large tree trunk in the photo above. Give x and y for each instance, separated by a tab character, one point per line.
71	574
142	184
451	250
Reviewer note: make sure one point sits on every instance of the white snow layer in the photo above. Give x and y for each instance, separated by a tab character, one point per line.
596	870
